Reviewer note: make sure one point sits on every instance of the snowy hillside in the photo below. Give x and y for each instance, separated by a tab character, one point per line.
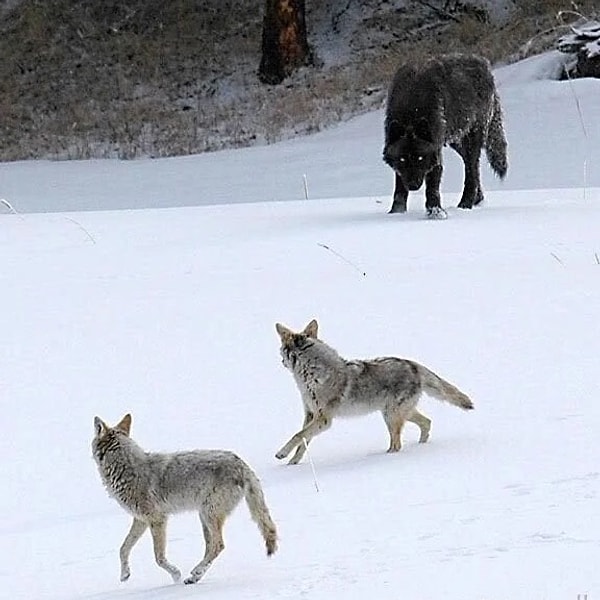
170	314
547	148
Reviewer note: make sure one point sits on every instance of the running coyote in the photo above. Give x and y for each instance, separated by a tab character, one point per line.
151	486
331	386
449	99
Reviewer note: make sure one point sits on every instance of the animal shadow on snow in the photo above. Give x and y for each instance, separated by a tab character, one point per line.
413	455
171	591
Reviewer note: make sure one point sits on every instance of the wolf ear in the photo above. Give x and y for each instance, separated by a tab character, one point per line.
312	329
284	333
99	426
395	130
124	424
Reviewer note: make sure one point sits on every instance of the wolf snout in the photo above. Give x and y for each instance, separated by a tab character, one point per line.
412	182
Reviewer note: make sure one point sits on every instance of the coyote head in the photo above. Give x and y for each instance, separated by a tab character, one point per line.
292	343
411	151
108	437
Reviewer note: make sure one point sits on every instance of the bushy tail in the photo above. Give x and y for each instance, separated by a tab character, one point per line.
440	389
259	511
495	143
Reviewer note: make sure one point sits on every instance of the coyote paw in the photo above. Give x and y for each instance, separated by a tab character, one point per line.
281	454
176	575
190	580
437	213
125	574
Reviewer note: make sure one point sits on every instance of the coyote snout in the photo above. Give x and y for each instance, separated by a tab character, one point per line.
151	486
331	386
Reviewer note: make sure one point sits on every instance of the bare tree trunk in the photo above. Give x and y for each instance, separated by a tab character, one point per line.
284	43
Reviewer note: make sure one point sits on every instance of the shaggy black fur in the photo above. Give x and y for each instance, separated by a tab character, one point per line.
445	100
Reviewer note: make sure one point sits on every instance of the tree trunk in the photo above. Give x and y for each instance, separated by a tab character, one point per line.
284	43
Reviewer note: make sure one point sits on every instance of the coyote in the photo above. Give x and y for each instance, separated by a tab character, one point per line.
449	99
151	486
332	386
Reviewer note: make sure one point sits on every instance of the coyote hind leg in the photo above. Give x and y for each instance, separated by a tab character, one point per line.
394	419
423	423
212	528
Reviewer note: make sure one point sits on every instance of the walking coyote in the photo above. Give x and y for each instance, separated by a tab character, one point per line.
151	486
449	99
331	386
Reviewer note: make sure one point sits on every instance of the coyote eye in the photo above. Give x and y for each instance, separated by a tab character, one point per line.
402	159
420	158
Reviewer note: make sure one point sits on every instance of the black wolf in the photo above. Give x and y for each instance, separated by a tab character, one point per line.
444	100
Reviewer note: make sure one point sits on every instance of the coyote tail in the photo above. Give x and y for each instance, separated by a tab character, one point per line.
495	142
260	512
441	389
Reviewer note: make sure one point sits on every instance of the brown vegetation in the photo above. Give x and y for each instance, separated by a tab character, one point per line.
152	78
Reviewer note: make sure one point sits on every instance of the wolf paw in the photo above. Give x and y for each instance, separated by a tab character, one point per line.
125	575
190	580
437	213
281	454
397	208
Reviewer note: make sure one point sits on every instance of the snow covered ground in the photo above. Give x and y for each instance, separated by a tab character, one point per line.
547	145
170	314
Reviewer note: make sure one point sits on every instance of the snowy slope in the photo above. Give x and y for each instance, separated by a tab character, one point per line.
547	149
170	314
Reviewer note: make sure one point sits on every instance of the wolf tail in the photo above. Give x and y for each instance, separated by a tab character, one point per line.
440	389
495	143
259	511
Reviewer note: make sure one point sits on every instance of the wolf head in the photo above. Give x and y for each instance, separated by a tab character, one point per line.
292	343
108	437
411	151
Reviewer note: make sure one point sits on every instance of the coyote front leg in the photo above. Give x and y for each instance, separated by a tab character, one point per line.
319	424
158	529
135	533
301	449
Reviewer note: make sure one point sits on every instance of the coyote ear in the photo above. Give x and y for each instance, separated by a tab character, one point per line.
284	332
99	426
124	424
312	329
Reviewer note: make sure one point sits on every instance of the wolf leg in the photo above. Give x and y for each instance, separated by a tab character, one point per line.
319	424
212	527
400	196
469	149
158	529
135	533
422	422
301	449
394	419
433	204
